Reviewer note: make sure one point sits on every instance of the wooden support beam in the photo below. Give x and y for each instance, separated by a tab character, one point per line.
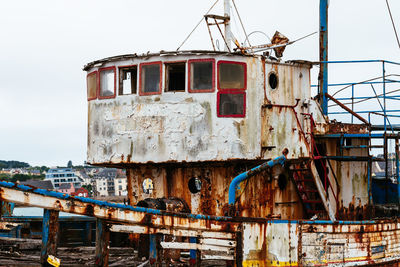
49	235
154	256
88	230
102	243
130	181
194	257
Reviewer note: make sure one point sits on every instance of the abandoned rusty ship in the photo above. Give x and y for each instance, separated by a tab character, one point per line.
231	159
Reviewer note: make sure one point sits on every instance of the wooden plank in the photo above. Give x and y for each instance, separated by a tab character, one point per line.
183	245
175	232
217	257
218	242
49	235
102	243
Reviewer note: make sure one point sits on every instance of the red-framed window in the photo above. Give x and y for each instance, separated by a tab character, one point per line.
201	75
150	78
128	76
232	75
231	103
232	85
107	82
92	84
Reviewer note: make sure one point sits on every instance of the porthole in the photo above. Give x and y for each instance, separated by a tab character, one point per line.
282	181
194	185
147	186
273	80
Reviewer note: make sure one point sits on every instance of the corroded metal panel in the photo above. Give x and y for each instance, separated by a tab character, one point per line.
350	243
268	194
271	244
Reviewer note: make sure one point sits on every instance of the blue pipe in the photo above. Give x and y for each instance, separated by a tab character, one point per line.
243	176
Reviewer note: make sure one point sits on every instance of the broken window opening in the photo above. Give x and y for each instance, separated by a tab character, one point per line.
231	75
91	82
231	104
107	82
150	78
175	78
201	75
127	80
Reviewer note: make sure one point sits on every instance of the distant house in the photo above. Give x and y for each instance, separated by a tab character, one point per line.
34	172
67	188
83	175
39	184
81	192
60	176
121	184
105	181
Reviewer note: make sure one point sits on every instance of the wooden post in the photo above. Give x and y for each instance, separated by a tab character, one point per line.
49	235
102	243
88	237
153	249
194	257
129	176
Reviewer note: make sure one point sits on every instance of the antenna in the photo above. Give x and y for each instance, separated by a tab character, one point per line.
228	33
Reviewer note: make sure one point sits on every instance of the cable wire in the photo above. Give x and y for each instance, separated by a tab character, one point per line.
394	28
196	26
240	19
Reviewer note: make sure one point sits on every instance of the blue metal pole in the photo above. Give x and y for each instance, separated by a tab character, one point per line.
352	101
243	176
384	92
323	54
397	168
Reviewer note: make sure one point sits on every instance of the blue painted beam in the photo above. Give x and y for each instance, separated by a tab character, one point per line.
106	204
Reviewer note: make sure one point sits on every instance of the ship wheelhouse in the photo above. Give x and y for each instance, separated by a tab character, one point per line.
184	124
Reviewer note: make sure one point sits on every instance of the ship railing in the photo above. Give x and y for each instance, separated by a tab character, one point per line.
383	136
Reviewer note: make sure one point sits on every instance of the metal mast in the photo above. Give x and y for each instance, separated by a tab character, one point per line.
227	15
323	55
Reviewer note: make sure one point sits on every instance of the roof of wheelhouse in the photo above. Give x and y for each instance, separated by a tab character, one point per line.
184	53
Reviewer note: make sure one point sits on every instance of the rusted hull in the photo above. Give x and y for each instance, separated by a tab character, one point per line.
246	241
322	243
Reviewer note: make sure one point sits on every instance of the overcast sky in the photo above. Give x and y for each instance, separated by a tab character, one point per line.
45	43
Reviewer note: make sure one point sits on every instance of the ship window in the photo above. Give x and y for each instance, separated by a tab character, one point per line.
231	75
273	80
150	78
175	76
91	80
194	185
231	103
127	80
107	82
201	75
